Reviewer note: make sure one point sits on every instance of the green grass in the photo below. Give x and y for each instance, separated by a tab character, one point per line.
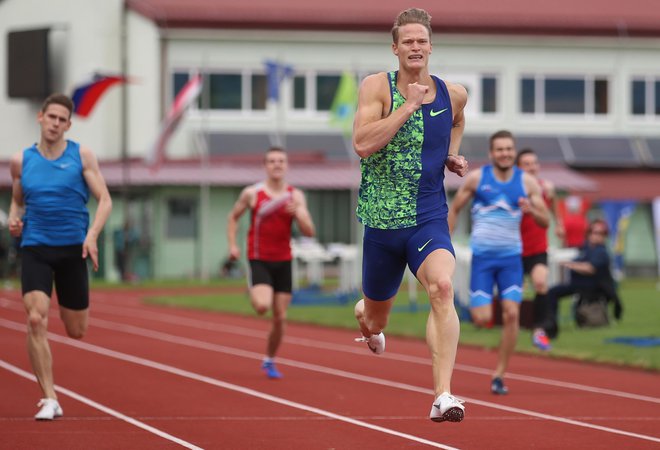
641	318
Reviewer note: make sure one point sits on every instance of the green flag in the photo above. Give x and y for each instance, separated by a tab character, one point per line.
344	104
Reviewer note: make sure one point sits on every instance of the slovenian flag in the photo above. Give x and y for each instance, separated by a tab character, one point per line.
87	95
186	96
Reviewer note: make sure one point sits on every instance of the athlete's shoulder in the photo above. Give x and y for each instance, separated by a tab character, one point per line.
457	91
375	83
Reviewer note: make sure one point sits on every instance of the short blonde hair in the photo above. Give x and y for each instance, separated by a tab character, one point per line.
408	16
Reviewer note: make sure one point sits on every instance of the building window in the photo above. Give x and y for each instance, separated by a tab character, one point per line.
638	97
488	95
224	90
179	79
181	218
248	91
326	87
259	92
299	92
564	95
645	96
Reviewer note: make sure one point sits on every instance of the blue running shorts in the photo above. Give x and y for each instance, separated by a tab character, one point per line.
385	254
487	271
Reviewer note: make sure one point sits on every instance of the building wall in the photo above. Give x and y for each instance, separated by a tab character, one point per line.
85	36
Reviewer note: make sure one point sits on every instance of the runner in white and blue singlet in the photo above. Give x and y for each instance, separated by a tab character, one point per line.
502	193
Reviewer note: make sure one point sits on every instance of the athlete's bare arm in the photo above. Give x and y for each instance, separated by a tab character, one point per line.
17	207
551	194
99	189
245	201
534	203
301	214
373	127
464	194
457	163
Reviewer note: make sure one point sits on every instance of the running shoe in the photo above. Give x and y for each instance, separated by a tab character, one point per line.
447	408
50	409
271	370
541	340
497	386
375	342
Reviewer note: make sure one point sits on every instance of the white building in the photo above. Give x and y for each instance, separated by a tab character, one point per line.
577	80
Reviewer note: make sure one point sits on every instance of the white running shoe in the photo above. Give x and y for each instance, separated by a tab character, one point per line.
447	408
50	409
375	342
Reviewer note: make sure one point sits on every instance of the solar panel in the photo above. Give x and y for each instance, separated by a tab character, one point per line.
654	151
547	148
332	145
238	143
595	151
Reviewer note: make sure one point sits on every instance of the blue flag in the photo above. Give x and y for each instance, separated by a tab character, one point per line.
276	73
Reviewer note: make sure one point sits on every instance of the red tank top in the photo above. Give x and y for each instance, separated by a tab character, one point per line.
269	236
534	237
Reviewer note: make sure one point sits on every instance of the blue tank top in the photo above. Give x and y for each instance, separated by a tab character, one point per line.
55	195
496	216
403	183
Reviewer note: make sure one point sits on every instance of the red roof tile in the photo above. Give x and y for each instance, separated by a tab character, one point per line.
586	17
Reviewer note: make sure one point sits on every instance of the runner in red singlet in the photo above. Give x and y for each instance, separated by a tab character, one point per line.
274	205
535	245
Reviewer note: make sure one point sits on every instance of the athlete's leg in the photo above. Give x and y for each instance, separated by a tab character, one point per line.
281	301
36	305
509	284
482	280
510	328
539	276
75	321
261	298
372	315
383	266
442	326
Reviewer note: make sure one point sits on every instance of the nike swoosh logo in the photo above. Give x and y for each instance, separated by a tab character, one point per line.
419	249
435	113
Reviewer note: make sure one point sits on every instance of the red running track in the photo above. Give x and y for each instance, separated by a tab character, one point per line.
157	377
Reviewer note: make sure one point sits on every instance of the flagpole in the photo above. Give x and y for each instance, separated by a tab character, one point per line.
204	183
125	169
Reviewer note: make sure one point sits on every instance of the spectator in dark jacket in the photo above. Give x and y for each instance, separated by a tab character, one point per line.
589	276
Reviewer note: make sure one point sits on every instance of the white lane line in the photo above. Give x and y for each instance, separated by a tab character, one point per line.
222	384
241	331
20	372
138	312
180	340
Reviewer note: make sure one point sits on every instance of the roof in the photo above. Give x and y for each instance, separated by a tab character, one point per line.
559	17
621	184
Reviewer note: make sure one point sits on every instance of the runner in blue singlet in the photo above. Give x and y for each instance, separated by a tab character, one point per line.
501	193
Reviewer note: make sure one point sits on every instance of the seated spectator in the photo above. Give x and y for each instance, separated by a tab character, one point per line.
589	275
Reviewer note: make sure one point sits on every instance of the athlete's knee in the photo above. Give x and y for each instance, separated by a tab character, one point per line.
510	315
37	322
279	317
76	330
481	318
441	289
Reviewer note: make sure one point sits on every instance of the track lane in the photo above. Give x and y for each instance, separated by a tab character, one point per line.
416	374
